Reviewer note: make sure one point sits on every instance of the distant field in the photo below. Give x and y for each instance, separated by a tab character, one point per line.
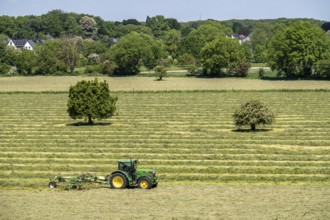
188	137
170	202
62	83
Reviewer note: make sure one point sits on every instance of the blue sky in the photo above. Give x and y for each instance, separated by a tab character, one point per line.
182	10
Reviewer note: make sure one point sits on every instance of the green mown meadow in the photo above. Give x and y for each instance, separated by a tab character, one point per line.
188	137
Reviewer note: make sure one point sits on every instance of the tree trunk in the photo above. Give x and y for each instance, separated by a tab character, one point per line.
90	121
253	127
71	69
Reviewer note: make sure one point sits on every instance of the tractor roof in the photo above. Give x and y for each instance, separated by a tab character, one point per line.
127	160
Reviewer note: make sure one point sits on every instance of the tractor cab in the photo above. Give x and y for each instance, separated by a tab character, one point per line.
127	165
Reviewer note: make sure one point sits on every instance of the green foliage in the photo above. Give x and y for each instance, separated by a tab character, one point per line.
93	69
253	113
187	60
322	69
90	46
4	66
172	40
107	67
248	51
295	50
69	52
93	59
71	26
89	26
57	56
260	54
261	73
26	60
242	68
221	53
262	34
158	24
134	50
91	100
7	25
205	33
52	21
131	21
47	58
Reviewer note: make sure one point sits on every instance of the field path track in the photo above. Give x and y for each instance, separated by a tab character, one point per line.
62	83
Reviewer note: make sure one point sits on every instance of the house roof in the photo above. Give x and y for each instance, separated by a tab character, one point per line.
20	43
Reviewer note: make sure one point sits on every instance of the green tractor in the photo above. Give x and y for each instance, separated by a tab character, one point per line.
128	174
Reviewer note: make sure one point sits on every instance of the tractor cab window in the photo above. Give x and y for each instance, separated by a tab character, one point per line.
121	166
134	165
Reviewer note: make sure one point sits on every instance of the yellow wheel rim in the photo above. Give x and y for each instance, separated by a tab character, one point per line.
144	184
117	181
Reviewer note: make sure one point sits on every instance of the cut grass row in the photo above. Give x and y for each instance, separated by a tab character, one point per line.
186	136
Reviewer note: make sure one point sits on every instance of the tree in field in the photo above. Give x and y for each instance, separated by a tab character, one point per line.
160	72
221	53
253	113
91	100
298	48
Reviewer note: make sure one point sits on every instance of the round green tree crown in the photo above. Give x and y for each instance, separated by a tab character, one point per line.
253	113
91	100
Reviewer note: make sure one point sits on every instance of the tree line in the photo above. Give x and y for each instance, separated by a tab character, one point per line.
293	47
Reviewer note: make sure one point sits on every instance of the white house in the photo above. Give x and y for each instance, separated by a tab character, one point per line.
241	38
21	44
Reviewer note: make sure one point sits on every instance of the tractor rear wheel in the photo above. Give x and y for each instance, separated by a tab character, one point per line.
144	183
118	181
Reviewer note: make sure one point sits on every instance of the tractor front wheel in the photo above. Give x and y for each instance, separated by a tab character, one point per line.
118	181
52	185
144	183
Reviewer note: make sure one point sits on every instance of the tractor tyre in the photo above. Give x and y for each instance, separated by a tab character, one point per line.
144	183
52	185
118	181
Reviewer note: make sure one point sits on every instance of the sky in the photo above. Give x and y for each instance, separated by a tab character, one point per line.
182	10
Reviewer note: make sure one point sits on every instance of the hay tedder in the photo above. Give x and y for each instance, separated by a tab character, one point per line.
127	175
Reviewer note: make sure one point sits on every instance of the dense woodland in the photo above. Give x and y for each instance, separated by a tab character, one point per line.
292	47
